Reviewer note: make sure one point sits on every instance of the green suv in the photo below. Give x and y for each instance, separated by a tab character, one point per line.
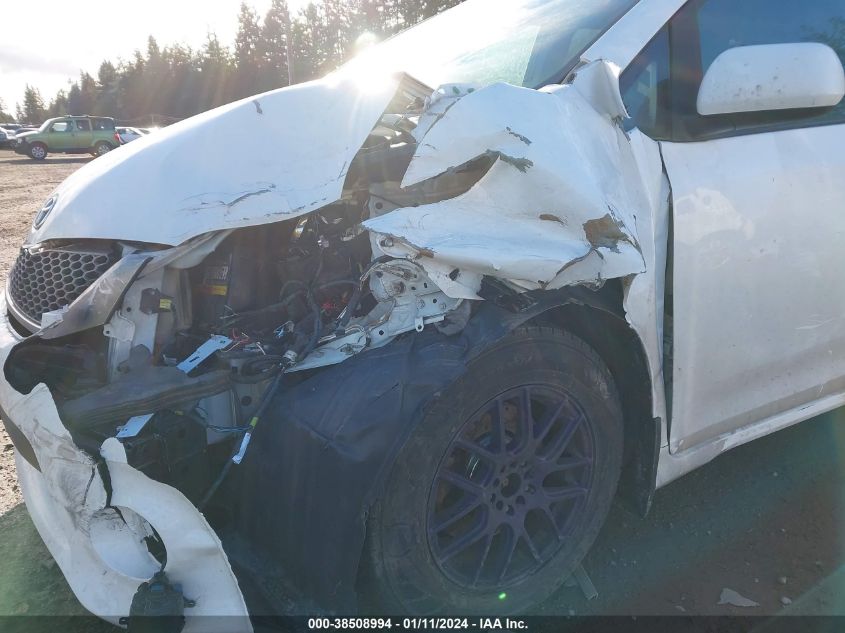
69	135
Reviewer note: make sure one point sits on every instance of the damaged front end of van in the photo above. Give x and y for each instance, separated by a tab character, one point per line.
207	382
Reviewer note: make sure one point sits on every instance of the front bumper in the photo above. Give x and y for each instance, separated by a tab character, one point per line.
95	530
21	148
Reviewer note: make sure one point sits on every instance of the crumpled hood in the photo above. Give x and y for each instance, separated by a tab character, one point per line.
260	160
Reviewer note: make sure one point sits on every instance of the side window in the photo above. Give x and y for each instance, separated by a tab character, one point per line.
103	124
725	24
83	125
645	88
60	126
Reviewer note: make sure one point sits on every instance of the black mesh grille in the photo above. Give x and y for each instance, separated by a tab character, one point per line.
49	280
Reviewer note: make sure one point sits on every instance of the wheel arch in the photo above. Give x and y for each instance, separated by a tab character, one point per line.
340	430
598	318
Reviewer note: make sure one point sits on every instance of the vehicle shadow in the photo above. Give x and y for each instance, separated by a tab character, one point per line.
58	160
764	520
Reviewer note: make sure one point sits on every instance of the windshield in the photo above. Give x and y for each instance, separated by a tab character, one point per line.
46	124
528	43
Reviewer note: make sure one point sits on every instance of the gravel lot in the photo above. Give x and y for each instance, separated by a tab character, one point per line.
764	521
24	185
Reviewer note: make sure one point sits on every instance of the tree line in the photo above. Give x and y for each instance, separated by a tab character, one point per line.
165	84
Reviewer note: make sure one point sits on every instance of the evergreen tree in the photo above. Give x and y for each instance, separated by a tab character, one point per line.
215	72
5	117
307	48
58	105
74	99
157	81
247	55
32	110
107	90
273	47
175	81
131	99
82	97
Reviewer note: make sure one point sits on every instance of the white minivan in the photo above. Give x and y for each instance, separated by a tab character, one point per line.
394	339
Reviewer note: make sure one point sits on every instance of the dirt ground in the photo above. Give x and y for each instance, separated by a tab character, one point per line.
765	521
24	185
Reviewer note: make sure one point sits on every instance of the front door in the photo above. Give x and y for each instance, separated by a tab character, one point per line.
60	135
758	296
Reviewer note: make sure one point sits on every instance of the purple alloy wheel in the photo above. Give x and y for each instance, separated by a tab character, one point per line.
512	486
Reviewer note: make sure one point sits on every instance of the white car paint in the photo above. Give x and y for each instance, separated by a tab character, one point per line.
66	500
644	297
241	175
572	192
624	40
742	255
772	77
468	232
689	449
752	262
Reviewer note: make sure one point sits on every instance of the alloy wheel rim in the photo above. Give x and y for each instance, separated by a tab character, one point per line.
103	149
38	151
512	487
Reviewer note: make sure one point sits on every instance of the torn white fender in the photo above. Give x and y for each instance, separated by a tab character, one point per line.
559	205
644	296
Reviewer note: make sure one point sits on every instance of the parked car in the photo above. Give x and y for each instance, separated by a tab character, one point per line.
7	138
69	135
404	352
126	134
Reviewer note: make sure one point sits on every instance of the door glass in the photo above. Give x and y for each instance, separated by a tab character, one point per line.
645	88
60	126
103	124
83	125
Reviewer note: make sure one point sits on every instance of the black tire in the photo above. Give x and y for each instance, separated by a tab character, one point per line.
38	151
102	148
403	574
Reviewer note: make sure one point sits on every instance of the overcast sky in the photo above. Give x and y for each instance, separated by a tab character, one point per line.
47	43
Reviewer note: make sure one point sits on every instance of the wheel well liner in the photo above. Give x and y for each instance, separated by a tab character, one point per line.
319	461
602	325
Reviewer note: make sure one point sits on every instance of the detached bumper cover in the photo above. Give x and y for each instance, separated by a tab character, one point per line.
95	531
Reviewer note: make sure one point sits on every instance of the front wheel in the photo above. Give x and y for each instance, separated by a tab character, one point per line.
504	485
102	148
38	151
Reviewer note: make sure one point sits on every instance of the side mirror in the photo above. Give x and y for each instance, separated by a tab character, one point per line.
772	77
